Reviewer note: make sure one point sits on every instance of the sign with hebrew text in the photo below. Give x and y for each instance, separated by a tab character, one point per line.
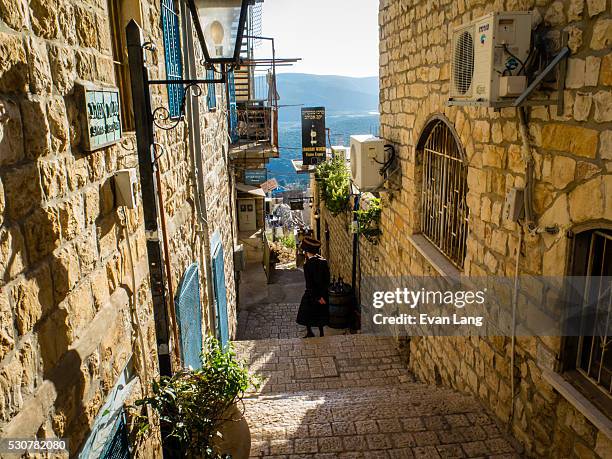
313	135
100	117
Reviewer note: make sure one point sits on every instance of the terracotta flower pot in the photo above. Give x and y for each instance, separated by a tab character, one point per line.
235	437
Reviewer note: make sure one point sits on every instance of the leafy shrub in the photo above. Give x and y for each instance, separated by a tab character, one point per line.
368	220
192	404
288	241
335	184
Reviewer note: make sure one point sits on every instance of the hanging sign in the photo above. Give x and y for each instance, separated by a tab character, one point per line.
313	135
255	176
269	185
100	116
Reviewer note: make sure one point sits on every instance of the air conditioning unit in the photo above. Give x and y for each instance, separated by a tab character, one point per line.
487	56
367	159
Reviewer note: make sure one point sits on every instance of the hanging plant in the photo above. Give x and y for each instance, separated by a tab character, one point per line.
335	185
368	220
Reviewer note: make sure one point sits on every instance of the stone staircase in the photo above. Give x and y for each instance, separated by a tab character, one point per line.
351	396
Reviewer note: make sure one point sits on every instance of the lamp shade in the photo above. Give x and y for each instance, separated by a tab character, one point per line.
220	27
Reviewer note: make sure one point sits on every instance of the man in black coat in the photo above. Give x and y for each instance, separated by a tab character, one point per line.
314	307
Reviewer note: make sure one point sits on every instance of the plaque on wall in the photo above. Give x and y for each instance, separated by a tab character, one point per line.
255	176
100	116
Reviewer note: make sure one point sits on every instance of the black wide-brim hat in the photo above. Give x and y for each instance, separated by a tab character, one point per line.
310	244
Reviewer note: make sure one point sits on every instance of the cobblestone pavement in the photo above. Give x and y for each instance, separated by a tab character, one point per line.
350	396
275	320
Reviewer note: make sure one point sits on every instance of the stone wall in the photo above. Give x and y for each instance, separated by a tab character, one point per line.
573	186
70	318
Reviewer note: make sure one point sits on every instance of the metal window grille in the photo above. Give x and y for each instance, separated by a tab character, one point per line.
211	96
172	53
444	212
594	359
189	317
120	64
117	446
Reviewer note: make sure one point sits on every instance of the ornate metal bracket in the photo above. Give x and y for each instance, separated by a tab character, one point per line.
161	115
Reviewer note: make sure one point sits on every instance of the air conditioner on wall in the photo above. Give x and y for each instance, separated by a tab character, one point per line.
487	58
367	160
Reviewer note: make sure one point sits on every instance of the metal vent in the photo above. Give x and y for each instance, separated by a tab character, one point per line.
463	63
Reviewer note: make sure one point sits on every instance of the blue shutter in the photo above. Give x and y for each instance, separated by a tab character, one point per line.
211	96
189	317
172	53
219	290
233	112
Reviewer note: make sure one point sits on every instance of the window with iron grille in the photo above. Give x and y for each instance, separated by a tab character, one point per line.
211	95
588	358
444	212
117	18
172	54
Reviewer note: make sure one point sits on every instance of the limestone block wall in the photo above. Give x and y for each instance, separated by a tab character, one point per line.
69	318
573	186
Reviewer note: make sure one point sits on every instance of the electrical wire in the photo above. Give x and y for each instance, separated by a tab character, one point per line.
389	162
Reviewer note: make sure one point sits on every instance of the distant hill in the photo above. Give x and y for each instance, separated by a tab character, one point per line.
335	93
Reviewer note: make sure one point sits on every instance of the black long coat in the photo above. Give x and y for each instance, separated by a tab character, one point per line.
311	312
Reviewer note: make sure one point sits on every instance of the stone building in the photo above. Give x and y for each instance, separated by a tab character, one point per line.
559	408
75	292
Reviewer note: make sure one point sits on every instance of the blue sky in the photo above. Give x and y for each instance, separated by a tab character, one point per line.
333	37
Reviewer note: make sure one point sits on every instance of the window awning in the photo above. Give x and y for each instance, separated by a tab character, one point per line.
256	191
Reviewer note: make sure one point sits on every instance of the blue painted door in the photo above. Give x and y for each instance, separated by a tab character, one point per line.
220	294
189	317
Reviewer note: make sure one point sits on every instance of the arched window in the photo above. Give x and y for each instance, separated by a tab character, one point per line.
444	212
587	357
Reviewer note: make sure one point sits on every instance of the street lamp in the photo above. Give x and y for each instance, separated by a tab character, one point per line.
220	28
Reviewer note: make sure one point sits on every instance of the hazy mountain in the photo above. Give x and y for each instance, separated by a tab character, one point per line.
335	93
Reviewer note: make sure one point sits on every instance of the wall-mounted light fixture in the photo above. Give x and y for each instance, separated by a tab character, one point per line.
220	28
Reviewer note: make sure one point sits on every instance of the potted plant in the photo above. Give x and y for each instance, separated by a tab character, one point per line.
198	409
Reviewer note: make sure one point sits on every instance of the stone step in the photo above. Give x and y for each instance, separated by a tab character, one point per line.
404	421
330	362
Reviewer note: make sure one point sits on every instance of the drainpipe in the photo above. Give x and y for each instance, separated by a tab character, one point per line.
355	248
195	148
530	226
232	198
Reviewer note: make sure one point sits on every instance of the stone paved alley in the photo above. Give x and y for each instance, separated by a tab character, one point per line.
348	395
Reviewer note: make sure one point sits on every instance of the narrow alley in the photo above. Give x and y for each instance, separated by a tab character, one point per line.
347	395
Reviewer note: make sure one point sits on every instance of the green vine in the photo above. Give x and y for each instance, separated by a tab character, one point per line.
369	220
334	182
